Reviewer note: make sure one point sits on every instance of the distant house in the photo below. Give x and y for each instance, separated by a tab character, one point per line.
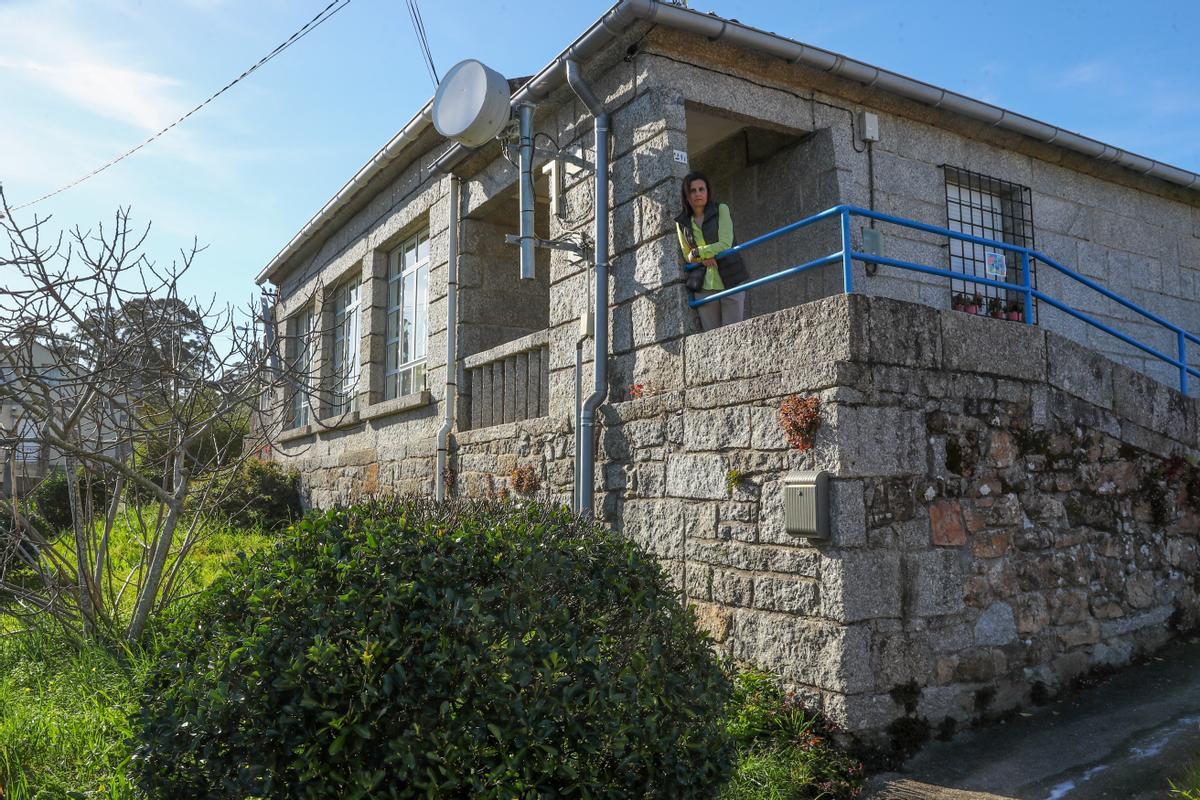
1006	512
26	459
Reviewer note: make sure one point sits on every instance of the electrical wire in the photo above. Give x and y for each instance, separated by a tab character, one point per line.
327	12
414	13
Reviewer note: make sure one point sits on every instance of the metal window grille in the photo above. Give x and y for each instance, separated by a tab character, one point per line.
407	317
345	348
992	209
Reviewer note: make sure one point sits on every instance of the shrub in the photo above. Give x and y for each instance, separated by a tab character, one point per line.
784	751
50	500
800	417
524	480
413	650
257	493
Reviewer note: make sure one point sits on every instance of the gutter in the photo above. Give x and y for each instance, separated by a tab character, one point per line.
407	135
716	29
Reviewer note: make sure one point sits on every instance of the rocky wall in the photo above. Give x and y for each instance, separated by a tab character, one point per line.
1010	510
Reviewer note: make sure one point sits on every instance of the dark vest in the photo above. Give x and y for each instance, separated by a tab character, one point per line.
732	269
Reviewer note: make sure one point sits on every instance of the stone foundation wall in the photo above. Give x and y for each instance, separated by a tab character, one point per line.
1010	510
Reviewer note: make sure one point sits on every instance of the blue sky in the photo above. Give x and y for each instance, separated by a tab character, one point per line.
83	80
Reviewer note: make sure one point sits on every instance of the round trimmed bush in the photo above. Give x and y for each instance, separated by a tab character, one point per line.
437	651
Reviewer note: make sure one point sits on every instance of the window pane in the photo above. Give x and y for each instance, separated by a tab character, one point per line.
409	318
422	313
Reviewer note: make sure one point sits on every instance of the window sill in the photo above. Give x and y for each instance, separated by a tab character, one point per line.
396	405
337	421
292	434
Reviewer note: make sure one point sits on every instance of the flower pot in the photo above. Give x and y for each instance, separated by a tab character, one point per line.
971	309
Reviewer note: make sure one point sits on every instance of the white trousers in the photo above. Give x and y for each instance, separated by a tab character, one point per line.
723	312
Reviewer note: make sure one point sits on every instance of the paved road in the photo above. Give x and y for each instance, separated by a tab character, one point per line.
1119	740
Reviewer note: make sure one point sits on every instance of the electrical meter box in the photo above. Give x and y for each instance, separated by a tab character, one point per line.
806	504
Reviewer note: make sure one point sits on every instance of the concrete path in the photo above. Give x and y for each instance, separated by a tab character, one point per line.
1119	740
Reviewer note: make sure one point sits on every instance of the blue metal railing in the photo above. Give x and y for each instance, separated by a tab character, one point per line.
847	256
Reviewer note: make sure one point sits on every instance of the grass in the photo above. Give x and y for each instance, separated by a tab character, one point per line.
65	712
784	752
1188	787
65	717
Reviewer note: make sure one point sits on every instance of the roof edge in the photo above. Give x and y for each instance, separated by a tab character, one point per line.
625	13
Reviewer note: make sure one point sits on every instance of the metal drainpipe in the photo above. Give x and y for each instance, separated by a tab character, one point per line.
586	466
578	411
451	398
525	115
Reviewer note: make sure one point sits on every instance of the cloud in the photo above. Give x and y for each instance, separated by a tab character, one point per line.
1088	73
118	93
47	47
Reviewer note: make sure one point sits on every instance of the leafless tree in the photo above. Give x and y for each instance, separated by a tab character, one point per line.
130	388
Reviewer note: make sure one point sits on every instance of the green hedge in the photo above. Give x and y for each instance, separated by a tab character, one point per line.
257	494
416	650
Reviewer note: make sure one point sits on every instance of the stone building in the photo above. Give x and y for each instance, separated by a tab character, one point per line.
1012	504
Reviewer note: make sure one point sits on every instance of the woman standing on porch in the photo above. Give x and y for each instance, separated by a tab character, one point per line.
705	228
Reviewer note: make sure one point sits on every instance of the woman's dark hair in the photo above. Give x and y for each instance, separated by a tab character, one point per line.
687	181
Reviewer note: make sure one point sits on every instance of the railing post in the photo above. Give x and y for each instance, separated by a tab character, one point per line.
847	261
1027	282
1183	368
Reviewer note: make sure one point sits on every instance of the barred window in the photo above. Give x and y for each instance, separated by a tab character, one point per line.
299	357
992	209
407	317
345	350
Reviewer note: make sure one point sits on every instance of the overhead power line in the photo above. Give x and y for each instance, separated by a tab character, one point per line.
309	27
414	13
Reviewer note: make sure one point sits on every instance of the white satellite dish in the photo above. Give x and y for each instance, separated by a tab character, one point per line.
471	105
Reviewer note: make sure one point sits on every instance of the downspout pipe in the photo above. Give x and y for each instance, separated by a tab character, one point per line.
525	155
586	466
450	401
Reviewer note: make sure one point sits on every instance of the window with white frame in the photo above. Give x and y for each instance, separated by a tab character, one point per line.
345	350
407	317
300	353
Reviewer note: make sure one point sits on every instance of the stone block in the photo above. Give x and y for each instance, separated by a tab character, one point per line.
991	347
876	440
904	333
857	585
1148	403
714	620
697	476
946	523
731	588
765	432
1126	625
813	333
848	514
720	429
788	594
812	652
996	625
1079	371
935	583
